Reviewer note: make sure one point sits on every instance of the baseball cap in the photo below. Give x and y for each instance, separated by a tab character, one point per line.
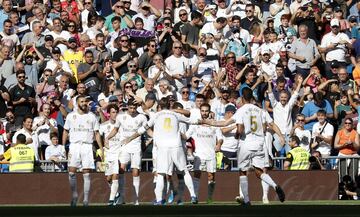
265	51
49	38
352	19
113	99
224	89
334	64
56	50
230	108
72	40
334	22
337	8
171	98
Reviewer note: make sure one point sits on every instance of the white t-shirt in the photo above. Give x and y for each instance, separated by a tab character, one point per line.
323	147
218	108
206	70
63	34
340	51
128	126
205	138
43	131
253	118
55	151
149	22
81	127
177	65
114	143
230	144
187	104
305	137
166	131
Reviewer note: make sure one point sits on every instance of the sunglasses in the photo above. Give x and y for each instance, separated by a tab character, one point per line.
20	77
177	47
127	87
185	92
202	54
118	6
230	57
167	12
348	123
124	40
248	10
71	26
126	2
301	120
152	45
182	15
157	59
132	66
87	3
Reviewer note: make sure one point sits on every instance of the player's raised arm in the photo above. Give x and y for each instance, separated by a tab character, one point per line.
212	122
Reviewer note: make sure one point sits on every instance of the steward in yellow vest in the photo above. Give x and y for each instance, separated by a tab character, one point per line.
298	157
21	156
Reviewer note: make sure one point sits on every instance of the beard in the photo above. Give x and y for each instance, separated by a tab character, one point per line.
84	108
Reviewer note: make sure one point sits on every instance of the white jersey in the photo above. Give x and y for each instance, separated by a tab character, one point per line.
114	143
253	118
81	127
128	126
43	131
230	143
205	138
166	128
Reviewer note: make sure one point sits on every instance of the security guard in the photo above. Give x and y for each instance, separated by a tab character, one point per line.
298	157
21	156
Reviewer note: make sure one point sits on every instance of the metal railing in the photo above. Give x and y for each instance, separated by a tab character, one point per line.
344	164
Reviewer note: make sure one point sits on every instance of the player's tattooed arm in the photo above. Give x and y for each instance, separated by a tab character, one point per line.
214	123
184	112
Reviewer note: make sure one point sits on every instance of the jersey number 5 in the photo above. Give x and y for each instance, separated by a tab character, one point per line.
253	123
167	124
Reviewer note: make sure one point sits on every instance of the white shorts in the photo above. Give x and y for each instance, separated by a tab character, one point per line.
249	156
81	156
204	165
111	167
167	157
154	156
134	159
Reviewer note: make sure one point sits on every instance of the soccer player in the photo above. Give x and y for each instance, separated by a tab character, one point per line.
208	140
169	148
128	123
112	153
251	122
81	126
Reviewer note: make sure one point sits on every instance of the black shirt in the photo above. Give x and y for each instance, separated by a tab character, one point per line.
119	54
2	103
246	23
16	93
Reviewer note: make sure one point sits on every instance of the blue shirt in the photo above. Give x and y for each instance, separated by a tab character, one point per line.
311	108
3	17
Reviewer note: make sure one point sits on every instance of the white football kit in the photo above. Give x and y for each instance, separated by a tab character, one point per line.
205	138
166	135
128	126
112	153
251	148
82	128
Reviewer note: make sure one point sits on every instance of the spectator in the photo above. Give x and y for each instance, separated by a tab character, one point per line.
22	97
250	18
299	131
119	11
149	14
55	152
26	130
7	7
277	9
190	31
322	134
347	142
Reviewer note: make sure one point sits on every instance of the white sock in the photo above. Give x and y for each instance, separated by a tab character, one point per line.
196	186
121	188
189	183
211	188
168	183
73	185
265	188
245	188
240	191
266	178
87	182
159	187
113	189
181	188
136	184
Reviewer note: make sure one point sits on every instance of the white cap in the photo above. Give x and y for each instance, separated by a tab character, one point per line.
264	51
334	22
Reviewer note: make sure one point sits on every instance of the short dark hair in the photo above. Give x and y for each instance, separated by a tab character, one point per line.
27	117
195	15
115	18
112	106
236	17
221	20
53	134
100	19
21	139
100	35
138	19
206	105
296	139
88	51
200	96
7	21
280	79
247	94
164	103
19	72
321	111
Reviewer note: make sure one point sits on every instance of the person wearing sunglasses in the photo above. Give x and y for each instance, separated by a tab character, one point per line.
119	11
128	9
132	75
158	70
347	142
146	59
149	14
299	131
166	38
250	17
183	19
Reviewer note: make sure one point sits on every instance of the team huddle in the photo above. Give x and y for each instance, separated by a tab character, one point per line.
120	138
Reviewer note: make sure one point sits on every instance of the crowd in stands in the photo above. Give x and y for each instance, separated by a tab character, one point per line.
300	58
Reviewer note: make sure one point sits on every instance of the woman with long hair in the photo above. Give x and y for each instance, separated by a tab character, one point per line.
108	89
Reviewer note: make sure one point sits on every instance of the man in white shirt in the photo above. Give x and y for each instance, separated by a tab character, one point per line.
322	134
334	46
127	124
82	127
149	14
208	140
170	151
282	111
230	144
112	153
204	68
30	138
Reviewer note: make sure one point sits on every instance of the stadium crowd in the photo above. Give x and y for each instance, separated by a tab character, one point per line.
300	58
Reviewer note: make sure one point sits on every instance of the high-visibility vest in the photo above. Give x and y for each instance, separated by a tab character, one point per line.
300	159
22	159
